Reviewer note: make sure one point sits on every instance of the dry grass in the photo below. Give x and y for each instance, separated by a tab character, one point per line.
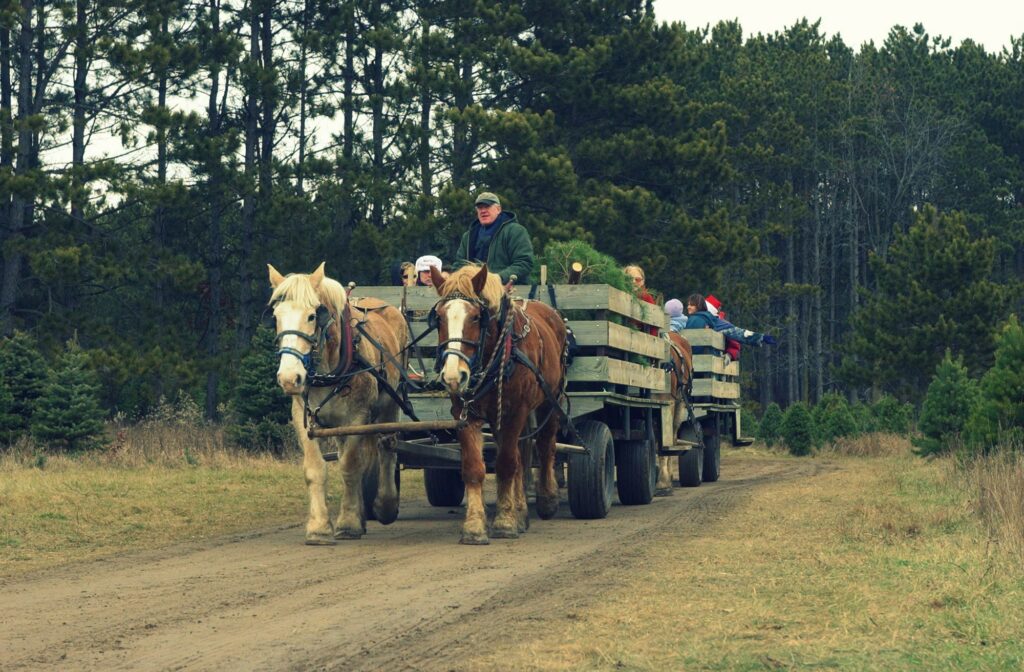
996	483
160	483
875	444
872	564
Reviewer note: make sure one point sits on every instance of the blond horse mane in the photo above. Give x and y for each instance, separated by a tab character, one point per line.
461	281
298	289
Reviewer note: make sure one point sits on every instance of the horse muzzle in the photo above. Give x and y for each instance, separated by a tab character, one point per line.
292	382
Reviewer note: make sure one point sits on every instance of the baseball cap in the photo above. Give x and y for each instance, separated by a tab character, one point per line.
426	261
488	198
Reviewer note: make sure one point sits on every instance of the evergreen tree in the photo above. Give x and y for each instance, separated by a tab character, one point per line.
68	412
892	416
1000	408
24	372
10	423
798	429
934	293
947	406
261	415
833	419
771	424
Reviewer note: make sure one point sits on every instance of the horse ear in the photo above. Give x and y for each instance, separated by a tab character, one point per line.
275	277
436	278
318	275
480	280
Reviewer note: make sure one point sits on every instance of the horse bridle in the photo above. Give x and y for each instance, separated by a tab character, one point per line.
310	360
442	348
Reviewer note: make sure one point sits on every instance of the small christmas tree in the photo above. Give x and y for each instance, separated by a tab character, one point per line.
1000	408
893	416
833	419
261	413
798	429
24	372
771	424
10	423
68	412
947	406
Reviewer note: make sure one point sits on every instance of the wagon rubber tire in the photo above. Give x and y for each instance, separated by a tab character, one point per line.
637	467
691	468
591	477
712	454
444	486
371	482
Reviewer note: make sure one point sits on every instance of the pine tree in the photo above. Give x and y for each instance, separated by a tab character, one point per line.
260	414
1000	408
24	372
68	412
947	406
771	424
892	416
798	429
833	419
10	423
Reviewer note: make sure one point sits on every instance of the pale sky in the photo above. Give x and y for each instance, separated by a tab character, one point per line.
987	22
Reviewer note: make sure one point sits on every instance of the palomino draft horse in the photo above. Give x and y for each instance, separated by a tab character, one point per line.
500	358
681	355
329	373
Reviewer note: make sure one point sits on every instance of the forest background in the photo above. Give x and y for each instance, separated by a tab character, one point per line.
865	206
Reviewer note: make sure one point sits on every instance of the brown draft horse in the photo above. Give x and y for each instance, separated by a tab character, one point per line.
682	371
482	334
315	324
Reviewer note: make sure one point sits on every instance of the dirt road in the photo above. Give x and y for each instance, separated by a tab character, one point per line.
405	597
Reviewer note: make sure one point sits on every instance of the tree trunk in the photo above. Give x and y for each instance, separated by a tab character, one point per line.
462	145
21	201
78	110
426	174
252	88
303	91
377	125
215	259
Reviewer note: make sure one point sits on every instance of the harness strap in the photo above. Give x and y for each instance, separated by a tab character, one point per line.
523	359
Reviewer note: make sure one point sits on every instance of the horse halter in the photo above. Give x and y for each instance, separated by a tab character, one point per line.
310	359
442	348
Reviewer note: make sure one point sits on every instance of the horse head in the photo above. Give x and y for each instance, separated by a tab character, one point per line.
469	298
306	310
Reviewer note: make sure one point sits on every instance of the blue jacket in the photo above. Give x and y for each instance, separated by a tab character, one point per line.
704	319
677	323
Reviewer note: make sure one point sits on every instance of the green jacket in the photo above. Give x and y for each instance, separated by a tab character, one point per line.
510	251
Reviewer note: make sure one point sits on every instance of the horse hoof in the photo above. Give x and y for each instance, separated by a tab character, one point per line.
505	533
474	539
386	513
349	534
524	525
663	492
547	507
319	539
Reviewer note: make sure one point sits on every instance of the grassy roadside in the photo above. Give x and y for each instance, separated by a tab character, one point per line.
876	564
160	485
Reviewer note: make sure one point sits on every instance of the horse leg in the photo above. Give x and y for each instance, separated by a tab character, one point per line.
547	484
508	470
353	459
663	488
474	527
385	505
318	526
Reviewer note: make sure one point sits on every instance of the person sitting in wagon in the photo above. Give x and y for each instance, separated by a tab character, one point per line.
732	346
701	318
639	278
676	315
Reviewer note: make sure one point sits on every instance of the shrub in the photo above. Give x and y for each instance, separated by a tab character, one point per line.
10	423
833	419
947	406
771	424
999	412
68	412
892	416
864	418
798	429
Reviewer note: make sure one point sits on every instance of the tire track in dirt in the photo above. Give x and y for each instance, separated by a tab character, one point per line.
406	597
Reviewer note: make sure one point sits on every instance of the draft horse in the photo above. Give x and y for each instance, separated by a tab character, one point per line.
335	356
500	358
681	373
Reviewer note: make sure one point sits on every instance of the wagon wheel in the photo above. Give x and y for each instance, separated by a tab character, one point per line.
444	486
592	475
691	468
637	464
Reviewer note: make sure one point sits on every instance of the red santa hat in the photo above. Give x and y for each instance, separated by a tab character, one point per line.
714	305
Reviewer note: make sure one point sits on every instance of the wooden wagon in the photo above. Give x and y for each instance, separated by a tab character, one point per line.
618	401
